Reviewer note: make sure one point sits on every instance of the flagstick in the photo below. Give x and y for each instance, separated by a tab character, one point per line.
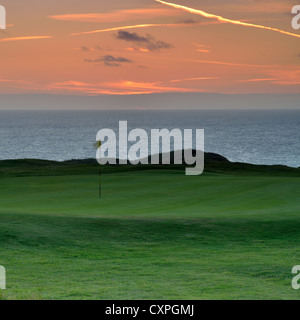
100	182
98	145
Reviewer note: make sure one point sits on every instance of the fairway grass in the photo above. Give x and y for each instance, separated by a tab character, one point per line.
154	235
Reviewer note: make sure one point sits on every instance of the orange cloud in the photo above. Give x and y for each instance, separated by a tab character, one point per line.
203	50
225	20
279	77
202	47
195	79
116	16
286	77
116	88
14	81
25	38
146	87
257	80
78	87
138	49
222	63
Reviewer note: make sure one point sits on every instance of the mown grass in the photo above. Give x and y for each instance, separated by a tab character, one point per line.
154	235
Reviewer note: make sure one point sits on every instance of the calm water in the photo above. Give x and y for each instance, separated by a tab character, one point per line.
263	137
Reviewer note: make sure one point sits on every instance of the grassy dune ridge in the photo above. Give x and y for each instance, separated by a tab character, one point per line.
213	163
232	232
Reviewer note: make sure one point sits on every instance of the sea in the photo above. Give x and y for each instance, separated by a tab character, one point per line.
251	136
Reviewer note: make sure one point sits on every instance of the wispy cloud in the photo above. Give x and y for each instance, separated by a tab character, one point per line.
8	84
202	47
78	87
88	49
222	63
84	48
116	15
135	87
25	38
137	49
110	61
225	20
195	79
286	77
14	81
278	77
147	41
258	80
124	87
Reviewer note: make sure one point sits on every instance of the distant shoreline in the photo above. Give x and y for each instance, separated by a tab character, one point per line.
154	101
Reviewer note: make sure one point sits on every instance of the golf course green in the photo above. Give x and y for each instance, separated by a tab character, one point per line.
231	233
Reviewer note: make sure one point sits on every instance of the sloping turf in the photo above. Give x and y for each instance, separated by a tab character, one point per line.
155	234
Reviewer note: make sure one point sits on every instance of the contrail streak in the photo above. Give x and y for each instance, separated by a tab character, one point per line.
222	19
139	26
117	28
25	38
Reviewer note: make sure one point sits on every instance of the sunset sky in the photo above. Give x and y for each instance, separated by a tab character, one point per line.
96	47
